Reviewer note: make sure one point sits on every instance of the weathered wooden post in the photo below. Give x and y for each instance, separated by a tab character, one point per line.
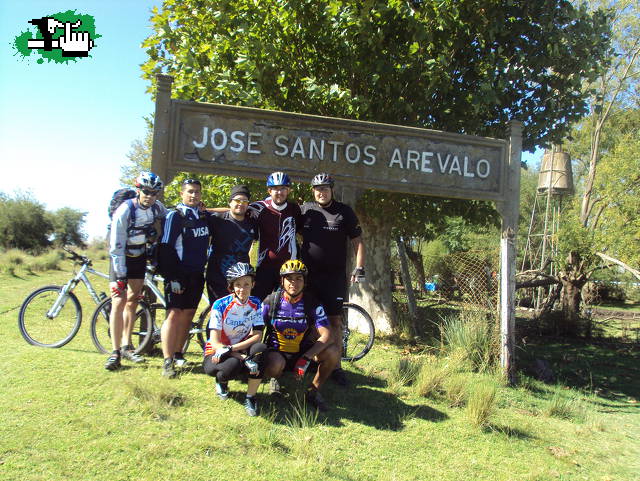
509	209
161	124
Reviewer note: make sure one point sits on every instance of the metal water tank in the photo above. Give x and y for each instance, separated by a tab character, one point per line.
555	173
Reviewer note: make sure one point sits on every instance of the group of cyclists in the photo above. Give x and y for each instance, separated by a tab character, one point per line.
285	315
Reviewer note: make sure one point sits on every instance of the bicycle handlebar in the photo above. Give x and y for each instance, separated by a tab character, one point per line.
76	257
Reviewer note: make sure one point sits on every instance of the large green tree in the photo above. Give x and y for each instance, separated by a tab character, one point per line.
605	148
67	227
466	67
24	223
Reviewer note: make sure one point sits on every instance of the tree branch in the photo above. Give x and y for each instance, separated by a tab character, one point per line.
618	262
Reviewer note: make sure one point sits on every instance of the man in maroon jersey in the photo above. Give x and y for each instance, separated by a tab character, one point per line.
277	220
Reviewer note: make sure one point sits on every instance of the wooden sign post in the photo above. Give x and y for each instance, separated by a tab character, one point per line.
241	141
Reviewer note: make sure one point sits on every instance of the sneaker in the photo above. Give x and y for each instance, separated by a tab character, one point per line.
113	362
274	386
179	360
251	406
314	398
168	369
222	390
252	366
339	377
128	353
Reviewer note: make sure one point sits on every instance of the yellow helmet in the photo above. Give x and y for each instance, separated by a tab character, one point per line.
293	266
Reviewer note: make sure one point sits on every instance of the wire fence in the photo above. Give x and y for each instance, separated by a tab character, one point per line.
464	283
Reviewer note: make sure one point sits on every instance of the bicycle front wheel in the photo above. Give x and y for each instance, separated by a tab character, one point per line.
358	332
40	326
101	332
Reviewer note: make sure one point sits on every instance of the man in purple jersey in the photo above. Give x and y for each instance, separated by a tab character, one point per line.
298	332
277	222
327	227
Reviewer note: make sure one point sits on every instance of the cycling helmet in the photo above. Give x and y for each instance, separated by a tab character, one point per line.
293	266
278	178
238	270
148	180
322	179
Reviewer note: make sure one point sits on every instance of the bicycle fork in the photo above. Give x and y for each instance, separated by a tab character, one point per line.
62	299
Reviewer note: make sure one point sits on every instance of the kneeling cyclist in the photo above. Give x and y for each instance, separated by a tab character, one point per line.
298	332
236	329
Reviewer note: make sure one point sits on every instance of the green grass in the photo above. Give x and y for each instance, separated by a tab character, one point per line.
64	417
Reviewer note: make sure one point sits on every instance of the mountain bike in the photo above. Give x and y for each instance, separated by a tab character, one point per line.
358	332
51	315
146	325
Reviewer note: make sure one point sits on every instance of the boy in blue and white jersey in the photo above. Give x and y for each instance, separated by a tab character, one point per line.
182	255
235	331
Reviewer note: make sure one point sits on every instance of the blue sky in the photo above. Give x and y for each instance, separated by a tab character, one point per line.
65	129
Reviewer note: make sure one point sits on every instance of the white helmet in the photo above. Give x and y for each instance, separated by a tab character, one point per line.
148	180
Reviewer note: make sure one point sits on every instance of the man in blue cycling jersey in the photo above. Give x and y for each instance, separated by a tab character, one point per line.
135	225
182	255
298	332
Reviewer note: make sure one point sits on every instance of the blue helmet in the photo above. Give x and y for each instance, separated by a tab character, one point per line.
278	178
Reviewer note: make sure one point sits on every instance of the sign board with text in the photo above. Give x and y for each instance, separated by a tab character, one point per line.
251	142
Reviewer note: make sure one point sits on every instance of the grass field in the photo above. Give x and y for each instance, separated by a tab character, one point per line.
64	417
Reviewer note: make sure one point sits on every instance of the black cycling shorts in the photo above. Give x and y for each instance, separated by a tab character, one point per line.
193	285
267	280
331	290
136	268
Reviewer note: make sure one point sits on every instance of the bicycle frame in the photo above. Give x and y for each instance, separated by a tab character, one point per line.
80	276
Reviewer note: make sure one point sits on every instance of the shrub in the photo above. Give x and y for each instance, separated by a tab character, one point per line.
562	407
46	262
403	373
481	404
431	378
456	390
471	338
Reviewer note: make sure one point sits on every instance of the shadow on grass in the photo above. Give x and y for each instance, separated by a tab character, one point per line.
610	370
357	403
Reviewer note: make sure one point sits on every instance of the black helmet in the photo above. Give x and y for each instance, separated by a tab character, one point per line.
322	179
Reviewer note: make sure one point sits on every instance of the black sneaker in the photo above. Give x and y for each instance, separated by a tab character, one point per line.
128	353
339	377
314	398
168	370
179	360
113	362
222	390
251	406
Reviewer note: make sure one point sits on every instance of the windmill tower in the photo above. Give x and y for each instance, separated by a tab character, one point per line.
554	183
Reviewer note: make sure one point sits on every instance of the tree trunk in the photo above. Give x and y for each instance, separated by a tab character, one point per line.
573	280
375	294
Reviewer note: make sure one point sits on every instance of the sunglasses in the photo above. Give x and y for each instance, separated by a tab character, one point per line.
191	181
149	192
240	201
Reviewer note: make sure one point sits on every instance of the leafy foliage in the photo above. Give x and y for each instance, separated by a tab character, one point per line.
24	223
466	67
67	227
